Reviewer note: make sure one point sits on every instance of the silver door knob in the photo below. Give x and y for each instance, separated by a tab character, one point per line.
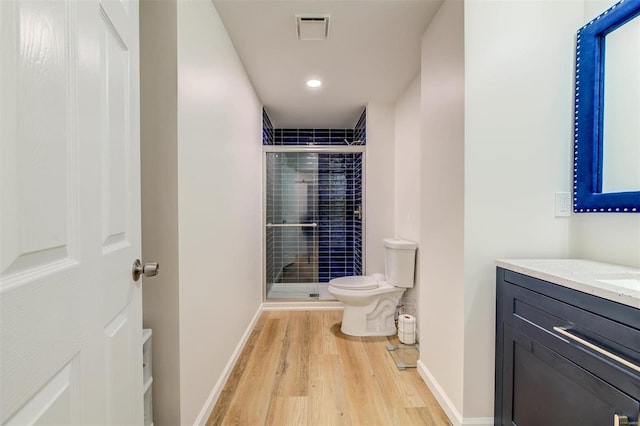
149	269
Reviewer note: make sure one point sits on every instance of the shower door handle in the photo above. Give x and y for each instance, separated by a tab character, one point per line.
291	225
358	213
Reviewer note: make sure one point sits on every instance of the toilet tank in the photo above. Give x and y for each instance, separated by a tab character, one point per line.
400	261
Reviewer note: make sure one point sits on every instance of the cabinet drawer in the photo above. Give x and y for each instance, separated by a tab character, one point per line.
616	312
543	318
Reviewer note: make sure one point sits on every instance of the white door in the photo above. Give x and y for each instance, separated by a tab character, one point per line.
70	312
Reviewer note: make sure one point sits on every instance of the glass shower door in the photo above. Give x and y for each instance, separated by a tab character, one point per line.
313	222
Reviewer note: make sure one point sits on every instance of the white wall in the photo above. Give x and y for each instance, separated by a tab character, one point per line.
201	180
518	137
612	238
496	110
379	191
219	170
606	237
159	183
407	173
441	253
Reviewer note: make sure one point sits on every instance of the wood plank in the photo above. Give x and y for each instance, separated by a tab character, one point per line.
416	416
226	396
251	401
316	333
365	404
331	321
298	368
326	385
289	411
295	372
327	395
391	381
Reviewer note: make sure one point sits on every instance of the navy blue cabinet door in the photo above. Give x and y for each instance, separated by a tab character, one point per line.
543	388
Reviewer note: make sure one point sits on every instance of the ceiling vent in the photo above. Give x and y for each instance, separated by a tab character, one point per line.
312	27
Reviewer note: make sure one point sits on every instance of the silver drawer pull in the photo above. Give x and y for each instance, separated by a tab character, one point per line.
598	349
620	420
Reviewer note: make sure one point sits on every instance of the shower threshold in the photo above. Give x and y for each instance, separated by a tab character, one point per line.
299	291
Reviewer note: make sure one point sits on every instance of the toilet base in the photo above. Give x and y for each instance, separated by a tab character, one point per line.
375	319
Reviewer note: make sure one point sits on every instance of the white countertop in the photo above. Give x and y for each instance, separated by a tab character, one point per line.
613	282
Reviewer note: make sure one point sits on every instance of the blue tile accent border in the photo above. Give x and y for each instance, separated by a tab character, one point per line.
313	137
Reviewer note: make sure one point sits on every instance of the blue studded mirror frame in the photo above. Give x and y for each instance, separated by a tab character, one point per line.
588	143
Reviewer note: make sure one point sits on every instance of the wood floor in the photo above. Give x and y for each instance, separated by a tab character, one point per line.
297	368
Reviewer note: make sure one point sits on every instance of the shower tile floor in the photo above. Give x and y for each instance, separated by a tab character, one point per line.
298	281
299	291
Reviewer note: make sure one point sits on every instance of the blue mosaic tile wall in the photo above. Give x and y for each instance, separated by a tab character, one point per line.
306	137
355	175
270	238
271	243
267	129
331	137
339	230
360	131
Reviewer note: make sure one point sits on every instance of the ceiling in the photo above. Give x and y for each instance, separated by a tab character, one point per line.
372	54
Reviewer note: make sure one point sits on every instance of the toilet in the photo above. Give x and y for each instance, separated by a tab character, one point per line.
370	301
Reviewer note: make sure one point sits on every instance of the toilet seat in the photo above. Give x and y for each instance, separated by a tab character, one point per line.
359	282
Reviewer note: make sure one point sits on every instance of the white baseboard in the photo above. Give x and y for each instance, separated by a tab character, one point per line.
207	409
478	421
301	306
449	409
447	406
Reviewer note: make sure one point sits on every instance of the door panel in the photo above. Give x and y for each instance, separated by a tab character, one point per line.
38	208
120	227
115	139
56	403
36	130
70	313
118	372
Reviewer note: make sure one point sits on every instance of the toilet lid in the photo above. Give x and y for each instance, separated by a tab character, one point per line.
355	283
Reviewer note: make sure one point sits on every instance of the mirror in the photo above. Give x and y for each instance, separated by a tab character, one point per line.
621	121
607	111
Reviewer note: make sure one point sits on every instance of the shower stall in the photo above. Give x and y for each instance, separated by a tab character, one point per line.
313	219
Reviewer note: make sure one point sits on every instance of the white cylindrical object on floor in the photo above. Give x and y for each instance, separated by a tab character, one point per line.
407	329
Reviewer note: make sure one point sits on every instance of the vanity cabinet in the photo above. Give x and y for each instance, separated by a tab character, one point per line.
563	357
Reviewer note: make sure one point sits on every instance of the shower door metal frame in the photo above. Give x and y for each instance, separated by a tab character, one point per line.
318	149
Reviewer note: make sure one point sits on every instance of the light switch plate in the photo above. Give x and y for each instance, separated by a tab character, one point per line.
563	204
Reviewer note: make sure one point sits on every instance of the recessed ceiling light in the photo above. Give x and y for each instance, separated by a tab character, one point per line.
314	83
